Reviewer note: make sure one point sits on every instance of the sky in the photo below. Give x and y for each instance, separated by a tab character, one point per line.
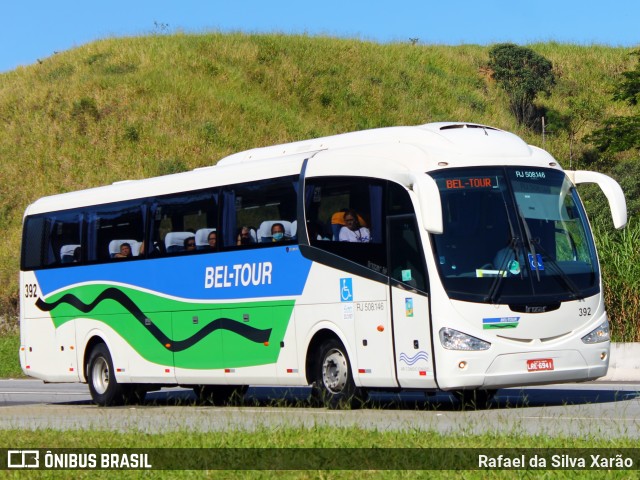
32	30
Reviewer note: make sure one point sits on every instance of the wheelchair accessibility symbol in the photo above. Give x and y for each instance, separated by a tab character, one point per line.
346	290
536	263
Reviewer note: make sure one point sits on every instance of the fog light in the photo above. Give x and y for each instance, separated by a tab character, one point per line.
603	356
462	365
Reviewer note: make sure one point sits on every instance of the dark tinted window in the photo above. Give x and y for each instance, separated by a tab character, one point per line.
345	217
406	255
182	223
112	227
150	227
52	240
32	243
406	258
251	209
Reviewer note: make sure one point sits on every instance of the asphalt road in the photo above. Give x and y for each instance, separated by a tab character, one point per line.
600	409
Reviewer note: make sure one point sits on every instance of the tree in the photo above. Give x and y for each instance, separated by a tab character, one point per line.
620	134
523	74
629	88
581	110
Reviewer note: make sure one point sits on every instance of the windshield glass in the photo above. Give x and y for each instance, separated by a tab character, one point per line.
513	235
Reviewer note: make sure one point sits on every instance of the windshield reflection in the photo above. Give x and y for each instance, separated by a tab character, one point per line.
513	235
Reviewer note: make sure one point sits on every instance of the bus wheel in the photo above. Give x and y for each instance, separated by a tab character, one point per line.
474	399
220	394
333	384
104	388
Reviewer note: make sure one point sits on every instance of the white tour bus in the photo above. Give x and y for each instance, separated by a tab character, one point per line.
446	256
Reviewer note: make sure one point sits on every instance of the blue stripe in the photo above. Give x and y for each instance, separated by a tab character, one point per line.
263	272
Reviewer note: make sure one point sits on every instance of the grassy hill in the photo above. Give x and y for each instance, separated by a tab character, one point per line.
138	107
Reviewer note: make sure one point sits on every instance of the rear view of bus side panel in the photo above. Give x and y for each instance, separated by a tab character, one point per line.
48	349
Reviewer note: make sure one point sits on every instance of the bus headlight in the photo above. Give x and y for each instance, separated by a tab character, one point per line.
454	340
600	334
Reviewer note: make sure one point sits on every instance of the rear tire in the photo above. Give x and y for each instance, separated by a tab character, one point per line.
333	385
105	389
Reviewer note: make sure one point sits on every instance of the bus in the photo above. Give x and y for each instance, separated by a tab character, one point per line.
441	257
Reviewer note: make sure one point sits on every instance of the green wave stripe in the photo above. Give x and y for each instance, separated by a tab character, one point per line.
180	320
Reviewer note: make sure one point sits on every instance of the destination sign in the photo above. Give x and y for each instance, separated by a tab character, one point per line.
461	183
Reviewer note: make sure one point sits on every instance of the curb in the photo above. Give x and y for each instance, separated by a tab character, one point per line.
624	363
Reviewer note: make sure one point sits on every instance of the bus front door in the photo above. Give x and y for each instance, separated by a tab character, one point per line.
412	338
409	305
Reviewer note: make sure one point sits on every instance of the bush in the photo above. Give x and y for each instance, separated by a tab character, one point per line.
523	74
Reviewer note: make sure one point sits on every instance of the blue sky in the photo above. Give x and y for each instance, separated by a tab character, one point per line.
32	30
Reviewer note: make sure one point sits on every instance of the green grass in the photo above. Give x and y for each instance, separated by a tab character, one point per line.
315	437
137	107
9	360
620	260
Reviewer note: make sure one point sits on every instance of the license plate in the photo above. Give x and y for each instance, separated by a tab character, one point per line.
539	364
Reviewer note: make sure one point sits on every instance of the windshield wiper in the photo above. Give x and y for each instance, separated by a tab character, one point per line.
514	245
534	260
515	241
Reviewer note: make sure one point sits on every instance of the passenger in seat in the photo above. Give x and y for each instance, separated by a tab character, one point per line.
125	251
277	232
189	244
244	236
212	240
352	231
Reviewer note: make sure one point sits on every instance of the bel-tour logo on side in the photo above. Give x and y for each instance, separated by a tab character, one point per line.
239	275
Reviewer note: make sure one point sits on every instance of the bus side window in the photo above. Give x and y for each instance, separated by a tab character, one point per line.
406	263
33	244
182	220
406	258
64	236
328	199
249	211
113	225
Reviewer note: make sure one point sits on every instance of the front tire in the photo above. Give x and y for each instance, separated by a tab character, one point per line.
333	384
105	389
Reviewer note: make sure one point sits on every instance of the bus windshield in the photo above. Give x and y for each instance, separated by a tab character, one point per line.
513	235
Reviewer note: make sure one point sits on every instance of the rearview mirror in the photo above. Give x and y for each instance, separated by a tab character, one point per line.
609	187
430	204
